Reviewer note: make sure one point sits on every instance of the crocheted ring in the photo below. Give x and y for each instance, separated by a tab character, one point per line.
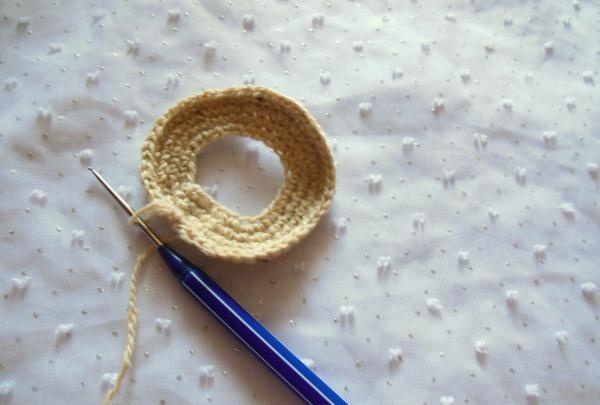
168	171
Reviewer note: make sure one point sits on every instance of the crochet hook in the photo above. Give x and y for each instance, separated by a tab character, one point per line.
289	368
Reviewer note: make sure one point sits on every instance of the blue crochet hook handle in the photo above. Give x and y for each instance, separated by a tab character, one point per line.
289	368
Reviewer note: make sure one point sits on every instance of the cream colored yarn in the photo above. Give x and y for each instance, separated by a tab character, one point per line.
168	171
132	319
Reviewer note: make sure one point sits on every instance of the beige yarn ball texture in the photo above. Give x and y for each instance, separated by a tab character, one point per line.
168	171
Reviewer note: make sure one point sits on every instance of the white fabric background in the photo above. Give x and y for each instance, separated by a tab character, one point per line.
512	70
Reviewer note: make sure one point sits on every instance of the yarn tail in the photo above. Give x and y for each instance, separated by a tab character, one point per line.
132	320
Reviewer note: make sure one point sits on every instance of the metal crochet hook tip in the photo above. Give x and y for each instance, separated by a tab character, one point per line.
147	230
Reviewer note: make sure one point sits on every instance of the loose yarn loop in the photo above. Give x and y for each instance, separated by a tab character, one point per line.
168	171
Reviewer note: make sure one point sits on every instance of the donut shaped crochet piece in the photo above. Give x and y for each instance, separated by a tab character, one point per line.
168	171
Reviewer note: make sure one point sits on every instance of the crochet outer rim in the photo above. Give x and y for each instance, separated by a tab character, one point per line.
178	218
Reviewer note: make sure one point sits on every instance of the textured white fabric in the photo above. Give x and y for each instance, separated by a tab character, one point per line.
459	263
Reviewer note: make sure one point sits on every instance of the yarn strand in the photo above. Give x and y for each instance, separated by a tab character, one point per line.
132	320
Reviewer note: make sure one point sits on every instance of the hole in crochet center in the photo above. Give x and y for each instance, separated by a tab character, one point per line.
240	173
